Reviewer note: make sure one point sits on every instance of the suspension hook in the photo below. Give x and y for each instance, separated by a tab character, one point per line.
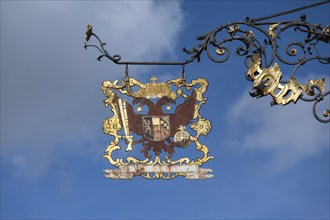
126	74
183	77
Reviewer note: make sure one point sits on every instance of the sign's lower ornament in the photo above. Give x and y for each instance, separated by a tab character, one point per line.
190	171
156	130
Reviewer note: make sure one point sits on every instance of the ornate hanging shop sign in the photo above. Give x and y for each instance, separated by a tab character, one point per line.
142	117
156	132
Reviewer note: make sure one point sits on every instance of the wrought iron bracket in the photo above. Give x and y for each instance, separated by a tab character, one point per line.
261	46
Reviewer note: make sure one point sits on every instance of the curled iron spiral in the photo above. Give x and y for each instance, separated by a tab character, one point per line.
255	36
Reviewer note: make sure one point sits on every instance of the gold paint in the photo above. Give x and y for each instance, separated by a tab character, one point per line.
89	31
220	51
156	90
317	82
182	137
233	28
108	154
130	160
326	113
180	161
267	82
288	92
205	150
271	29
112	125
199	91
249	34
203	126
293	51
167	176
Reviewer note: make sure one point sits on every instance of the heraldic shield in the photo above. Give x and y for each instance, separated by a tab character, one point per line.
144	125
156	128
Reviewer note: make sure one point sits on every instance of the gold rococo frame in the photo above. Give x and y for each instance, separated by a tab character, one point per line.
112	125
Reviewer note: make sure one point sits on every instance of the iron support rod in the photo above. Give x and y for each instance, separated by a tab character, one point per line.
290	11
151	63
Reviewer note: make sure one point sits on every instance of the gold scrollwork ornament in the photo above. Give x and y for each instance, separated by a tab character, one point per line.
266	81
156	130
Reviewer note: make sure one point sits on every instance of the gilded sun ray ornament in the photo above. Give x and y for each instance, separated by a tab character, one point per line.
156	132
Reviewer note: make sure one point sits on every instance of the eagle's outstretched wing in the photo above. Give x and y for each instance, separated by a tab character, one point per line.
184	113
134	120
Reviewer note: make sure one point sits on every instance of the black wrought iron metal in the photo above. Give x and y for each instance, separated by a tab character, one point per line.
254	36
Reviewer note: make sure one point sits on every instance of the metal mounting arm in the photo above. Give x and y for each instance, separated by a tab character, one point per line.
261	46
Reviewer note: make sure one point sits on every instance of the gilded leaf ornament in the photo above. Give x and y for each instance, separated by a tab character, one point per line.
267	81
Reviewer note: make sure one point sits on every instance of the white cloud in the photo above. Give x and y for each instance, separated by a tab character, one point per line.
289	134
144	30
50	86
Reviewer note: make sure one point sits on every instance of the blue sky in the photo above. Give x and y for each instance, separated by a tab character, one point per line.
270	162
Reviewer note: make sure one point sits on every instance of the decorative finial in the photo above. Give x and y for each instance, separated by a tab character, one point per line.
182	128
89	31
154	79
